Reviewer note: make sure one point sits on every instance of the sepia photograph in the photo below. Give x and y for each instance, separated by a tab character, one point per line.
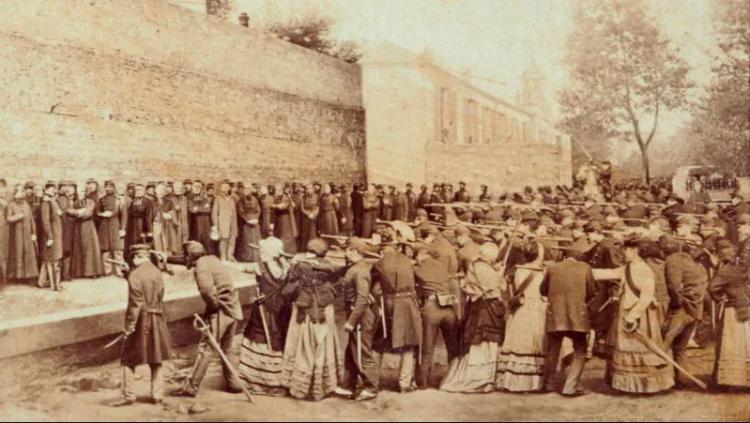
374	210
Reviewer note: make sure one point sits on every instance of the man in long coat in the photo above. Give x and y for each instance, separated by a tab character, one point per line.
370	210
86	258
200	206
224	219
147	338
111	221
66	199
22	264
568	286
140	218
180	203
393	277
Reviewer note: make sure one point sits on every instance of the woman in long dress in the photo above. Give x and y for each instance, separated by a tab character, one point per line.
165	226
284	227
729	288
634	367
483	327
520	366
261	356
308	228
313	361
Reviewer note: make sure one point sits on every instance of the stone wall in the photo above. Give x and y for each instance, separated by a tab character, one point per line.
140	89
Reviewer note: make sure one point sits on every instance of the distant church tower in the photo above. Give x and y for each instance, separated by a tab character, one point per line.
220	8
531	96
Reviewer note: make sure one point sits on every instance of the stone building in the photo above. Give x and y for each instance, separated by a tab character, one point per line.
425	123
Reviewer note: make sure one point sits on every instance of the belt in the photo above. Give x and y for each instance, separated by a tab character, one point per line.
400	295
154	311
433	296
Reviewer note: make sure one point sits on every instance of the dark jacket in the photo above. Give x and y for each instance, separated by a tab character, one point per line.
148	340
393	277
729	285
568	285
686	282
357	285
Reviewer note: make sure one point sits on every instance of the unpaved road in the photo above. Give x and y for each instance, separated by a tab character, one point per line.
73	398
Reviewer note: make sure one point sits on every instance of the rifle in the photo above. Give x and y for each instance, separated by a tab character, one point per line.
586	152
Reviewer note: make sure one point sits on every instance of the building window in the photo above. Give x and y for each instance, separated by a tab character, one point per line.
448	116
471	122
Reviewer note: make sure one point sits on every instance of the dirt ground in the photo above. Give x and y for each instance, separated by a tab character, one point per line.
86	394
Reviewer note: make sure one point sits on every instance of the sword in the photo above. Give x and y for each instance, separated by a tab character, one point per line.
359	346
201	326
664	356
119	338
262	311
382	317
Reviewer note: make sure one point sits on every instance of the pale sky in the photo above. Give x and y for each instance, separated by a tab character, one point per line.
492	38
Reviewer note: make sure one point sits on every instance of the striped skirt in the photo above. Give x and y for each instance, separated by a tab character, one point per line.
520	363
733	352
260	368
313	364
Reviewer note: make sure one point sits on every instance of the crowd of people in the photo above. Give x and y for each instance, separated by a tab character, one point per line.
502	279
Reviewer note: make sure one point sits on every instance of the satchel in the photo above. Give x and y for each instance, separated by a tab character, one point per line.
214	235
446	300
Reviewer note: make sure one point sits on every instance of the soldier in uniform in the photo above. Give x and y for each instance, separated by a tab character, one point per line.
686	282
439	301
393	279
370	208
140	218
360	359
223	314
50	238
462	195
411	202
200	207
146	336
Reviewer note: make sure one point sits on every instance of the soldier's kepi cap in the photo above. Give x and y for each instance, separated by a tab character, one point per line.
139	248
109	183
28	185
50	183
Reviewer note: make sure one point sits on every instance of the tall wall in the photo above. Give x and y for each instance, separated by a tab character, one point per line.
140	89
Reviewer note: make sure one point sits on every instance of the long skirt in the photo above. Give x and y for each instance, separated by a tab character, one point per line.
260	368
474	372
732	366
634	368
313	363
86	259
520	366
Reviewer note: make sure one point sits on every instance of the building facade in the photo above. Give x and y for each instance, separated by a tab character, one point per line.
425	124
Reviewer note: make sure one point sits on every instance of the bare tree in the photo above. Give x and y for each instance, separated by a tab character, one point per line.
623	73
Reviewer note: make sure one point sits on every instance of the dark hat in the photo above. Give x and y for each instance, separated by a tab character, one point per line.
409	185
28	185
391	187
197	181
135	248
529	216
210	185
109	183
193	248
130	185
436	185
170	183
462	183
50	183
187	182
151	184
462	230
240	184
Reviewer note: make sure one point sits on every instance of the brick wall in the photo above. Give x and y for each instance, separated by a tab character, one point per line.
140	89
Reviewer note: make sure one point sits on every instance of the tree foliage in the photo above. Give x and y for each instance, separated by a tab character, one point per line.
315	33
722	118
623	74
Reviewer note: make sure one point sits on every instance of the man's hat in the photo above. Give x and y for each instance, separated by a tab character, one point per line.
462	183
210	185
109	183
529	216
130	185
137	248
187	182
409	185
28	185
151	184
50	183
